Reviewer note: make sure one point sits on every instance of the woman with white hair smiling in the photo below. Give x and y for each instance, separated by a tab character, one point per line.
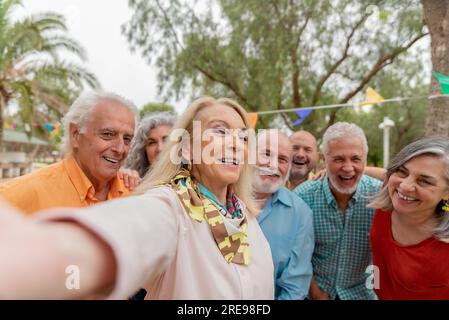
410	230
149	140
191	233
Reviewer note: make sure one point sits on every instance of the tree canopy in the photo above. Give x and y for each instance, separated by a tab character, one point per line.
156	107
274	54
33	77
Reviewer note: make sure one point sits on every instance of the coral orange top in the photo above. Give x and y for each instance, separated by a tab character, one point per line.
62	184
417	271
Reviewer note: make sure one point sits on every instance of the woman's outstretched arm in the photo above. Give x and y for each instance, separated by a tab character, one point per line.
51	260
104	251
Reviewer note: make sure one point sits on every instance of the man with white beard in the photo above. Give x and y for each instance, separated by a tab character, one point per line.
340	217
285	219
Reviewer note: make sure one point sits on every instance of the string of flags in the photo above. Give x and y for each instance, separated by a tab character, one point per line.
372	97
54	129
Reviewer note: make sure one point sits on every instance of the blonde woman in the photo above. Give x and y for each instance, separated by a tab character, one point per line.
190	233
410	230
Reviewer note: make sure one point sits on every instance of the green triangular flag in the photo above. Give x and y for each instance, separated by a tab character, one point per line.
444	82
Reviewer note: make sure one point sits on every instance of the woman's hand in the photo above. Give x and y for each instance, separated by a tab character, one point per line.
130	178
316	293
36	255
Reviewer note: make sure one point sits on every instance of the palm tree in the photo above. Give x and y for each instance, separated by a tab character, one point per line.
32	75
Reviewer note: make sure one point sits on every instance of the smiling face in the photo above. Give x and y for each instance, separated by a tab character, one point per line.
345	163
274	153
222	147
102	144
418	186
156	141
305	154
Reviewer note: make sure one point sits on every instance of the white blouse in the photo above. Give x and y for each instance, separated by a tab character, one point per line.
157	246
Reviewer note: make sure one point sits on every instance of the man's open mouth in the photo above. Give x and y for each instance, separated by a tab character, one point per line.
111	160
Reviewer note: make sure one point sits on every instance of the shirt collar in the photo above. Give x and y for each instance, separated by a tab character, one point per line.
281	196
83	185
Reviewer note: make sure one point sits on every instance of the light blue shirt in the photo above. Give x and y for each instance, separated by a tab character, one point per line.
342	250
286	221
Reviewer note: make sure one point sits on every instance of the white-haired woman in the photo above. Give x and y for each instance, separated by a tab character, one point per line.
191	234
149	140
410	230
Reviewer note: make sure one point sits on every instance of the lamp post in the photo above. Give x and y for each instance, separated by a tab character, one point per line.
386	125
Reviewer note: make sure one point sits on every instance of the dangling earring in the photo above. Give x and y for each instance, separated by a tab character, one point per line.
446	206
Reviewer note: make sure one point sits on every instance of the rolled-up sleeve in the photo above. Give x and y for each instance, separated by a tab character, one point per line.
295	279
142	232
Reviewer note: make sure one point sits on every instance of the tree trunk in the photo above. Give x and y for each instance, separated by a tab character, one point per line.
436	15
1	125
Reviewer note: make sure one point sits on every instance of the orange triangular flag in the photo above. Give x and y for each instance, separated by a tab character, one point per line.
252	117
371	97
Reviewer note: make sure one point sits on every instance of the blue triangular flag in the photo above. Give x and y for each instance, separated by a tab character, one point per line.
49	127
303	114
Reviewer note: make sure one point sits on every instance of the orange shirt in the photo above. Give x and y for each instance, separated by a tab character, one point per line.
62	184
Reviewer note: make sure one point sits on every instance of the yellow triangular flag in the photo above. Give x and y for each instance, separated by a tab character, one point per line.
371	97
252	117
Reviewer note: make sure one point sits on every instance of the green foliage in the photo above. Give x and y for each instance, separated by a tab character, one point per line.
276	54
408	116
156	107
32	75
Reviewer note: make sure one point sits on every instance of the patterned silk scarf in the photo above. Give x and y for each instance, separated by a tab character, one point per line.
234	247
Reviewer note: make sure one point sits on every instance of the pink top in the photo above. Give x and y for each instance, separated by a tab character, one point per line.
159	247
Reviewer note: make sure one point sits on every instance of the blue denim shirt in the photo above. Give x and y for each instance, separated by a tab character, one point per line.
286	221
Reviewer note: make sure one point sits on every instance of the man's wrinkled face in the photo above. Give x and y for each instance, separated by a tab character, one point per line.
305	154
102	143
345	164
273	162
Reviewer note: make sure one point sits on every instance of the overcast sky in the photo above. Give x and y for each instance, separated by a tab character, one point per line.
95	24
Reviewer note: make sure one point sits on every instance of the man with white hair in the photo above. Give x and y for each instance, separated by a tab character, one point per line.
285	219
340	217
98	131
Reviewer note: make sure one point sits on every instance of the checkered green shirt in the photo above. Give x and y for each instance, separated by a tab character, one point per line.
342	251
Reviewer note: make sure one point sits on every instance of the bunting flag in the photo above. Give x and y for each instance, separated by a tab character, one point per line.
371	97
49	127
303	114
252	117
444	82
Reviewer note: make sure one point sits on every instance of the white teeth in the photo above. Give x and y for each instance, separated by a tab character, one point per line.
230	161
346	178
111	160
403	197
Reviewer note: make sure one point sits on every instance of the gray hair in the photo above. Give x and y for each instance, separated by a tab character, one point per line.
81	108
437	147
137	157
344	130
